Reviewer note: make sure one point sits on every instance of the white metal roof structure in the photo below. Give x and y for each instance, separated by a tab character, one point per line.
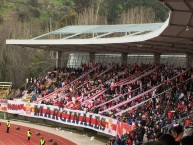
95	34
173	36
100	31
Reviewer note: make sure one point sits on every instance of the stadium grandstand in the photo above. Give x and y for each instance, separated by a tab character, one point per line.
133	82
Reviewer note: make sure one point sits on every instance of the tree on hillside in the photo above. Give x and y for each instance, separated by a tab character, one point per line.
33	3
81	5
138	15
69	18
17	63
1	19
2	3
91	15
114	9
161	12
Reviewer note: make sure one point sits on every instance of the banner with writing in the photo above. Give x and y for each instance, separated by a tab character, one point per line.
123	128
15	107
78	118
3	105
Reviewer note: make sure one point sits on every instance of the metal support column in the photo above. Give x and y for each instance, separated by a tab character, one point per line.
124	58
91	57
189	60
59	59
157	58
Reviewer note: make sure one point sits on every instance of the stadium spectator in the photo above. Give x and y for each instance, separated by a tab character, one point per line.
167	139
188	140
177	132
153	143
117	140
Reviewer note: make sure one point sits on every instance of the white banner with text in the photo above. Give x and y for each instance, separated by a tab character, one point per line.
78	118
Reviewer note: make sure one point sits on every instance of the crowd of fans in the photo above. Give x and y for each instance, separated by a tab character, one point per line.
179	134
110	89
39	87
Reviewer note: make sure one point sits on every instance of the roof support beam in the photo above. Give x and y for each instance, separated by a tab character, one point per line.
173	46
99	36
132	34
122	48
166	42
71	36
176	36
158	48
188	5
42	36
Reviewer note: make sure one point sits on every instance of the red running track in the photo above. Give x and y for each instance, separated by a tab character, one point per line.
19	137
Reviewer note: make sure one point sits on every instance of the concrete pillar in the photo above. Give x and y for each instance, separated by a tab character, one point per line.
91	57
124	58
5	115
189	60
59	59
157	58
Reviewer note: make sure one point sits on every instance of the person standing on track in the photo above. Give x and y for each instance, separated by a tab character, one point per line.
42	141
28	135
8	126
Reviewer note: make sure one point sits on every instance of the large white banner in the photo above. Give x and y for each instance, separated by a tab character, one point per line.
15	107
3	105
71	117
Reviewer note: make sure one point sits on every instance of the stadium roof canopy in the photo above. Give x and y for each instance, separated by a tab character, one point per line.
173	36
